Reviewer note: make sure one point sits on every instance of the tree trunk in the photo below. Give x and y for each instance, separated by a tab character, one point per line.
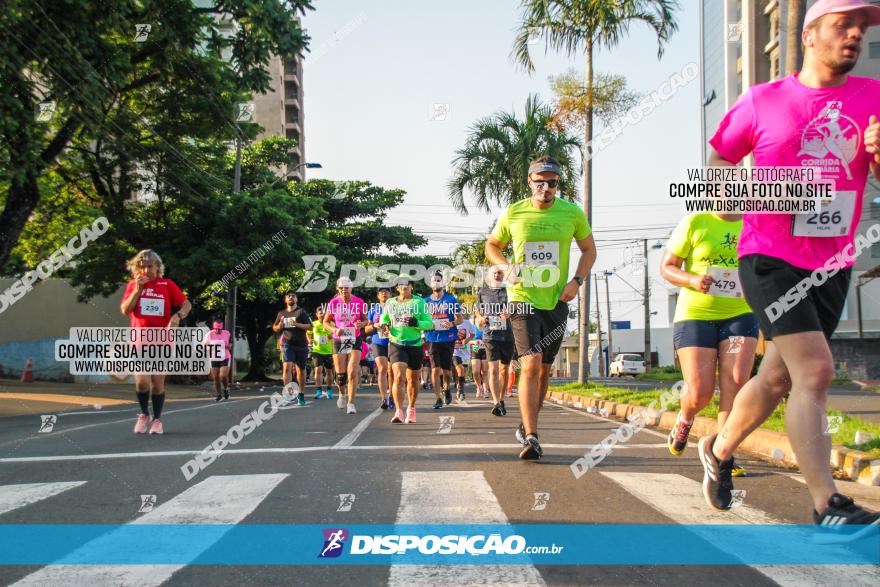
794	24
21	200
584	306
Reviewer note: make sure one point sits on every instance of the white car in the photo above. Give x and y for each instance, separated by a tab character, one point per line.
626	365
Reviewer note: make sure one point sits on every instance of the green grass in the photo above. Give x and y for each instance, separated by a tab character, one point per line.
845	434
667	373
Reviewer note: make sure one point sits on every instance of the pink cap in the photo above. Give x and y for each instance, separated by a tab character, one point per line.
823	7
218	325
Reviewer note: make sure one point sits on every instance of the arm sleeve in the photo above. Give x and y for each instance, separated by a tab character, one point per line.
128	289
502	229
679	243
735	136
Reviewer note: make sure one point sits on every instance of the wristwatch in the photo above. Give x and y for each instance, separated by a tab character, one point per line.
579	279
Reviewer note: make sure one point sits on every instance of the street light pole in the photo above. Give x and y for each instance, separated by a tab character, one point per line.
232	292
599	328
608	308
647	311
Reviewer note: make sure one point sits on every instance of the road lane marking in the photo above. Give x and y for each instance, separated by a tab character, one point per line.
241	451
223	499
594	416
15	496
681	499
425	499
350	438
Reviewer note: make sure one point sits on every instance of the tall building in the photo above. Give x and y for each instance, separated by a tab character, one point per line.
743	43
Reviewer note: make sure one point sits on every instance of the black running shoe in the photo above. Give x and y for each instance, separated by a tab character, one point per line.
503	409
521	434
843	521
225	394
496	410
438	404
532	451
447	395
384	404
717	481
217	399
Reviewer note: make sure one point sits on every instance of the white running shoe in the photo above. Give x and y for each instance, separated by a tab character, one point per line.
340	403
351	409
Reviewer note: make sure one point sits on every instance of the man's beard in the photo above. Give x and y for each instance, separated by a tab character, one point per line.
842	68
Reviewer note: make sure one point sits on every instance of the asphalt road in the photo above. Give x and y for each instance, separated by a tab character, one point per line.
292	469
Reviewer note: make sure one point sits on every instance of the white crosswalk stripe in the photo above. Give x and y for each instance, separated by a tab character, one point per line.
680	499
425	499
223	499
13	497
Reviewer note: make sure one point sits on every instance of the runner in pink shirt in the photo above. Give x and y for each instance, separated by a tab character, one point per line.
795	269
220	368
345	316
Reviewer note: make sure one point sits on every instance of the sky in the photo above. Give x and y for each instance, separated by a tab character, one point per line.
377	70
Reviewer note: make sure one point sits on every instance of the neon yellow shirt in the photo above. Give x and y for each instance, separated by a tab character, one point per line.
319	330
541	238
704	240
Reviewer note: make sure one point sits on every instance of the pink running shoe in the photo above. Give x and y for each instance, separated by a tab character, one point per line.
410	415
156	427
398	417
143	421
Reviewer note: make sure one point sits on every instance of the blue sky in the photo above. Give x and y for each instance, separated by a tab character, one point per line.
378	68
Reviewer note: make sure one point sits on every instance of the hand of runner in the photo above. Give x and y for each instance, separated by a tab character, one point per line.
701	283
385	329
141	281
872	138
570	291
174	322
510	274
483	321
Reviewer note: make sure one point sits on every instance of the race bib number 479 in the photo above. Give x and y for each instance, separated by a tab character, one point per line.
727	284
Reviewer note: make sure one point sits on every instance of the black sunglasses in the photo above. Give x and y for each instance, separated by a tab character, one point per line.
550	183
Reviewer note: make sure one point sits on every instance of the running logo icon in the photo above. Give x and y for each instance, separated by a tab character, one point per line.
334	542
346	501
541	501
832	133
148	502
47	423
318	268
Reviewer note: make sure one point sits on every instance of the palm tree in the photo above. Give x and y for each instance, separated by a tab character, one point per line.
577	27
494	161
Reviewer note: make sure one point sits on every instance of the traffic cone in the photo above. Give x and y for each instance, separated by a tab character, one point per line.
27	376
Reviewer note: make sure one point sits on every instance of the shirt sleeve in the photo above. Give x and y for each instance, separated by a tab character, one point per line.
425	320
177	296
679	243
128	289
734	138
502	229
581	227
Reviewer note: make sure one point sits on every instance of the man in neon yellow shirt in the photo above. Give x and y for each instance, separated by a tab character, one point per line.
541	230
322	354
713	324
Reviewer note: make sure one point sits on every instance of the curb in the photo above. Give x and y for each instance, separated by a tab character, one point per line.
771	446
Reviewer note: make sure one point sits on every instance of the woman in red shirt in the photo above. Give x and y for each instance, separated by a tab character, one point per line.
149	299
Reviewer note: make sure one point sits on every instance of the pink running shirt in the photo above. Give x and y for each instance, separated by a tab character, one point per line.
222	337
787	124
345	315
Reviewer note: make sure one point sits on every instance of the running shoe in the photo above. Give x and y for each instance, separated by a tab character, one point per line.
678	437
438	404
496	410
218	398
156	427
717	484
318	393
842	512
398	417
410	415
503	408
485	393
737	470
532	451
143	422
226	394
460	396
351	409
447	395
384	404
328	393
301	398
340	403
521	434
390	402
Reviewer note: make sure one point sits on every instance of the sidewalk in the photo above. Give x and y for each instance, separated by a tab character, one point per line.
47	397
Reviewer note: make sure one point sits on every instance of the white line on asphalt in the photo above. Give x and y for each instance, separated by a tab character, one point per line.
352	436
15	496
680	499
618	422
424	499
242	451
226	499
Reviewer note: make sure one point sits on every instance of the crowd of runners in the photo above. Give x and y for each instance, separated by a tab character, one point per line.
428	342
